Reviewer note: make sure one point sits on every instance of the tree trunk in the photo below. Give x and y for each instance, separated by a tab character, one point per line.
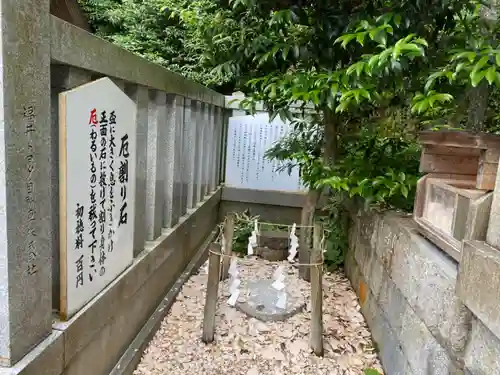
478	96
478	103
313	195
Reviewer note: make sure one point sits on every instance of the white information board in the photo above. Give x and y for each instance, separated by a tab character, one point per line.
97	188
249	137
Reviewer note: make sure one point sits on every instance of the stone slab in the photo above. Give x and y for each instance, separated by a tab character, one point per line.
47	358
425	355
27	214
275	198
140	95
492	233
261	303
426	277
272	213
156	170
271	255
392	302
62	78
482	356
478	284
386	338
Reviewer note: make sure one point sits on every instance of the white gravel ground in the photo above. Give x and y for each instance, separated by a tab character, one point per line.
246	346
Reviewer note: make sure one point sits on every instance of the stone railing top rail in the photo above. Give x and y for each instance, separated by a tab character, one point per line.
76	47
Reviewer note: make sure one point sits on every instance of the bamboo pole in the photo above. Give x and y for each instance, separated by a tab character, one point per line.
316	338
212	292
228	248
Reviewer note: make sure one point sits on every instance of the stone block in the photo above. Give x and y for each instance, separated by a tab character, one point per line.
391	227
353	233
423	352
126	322
368	229
47	358
277	240
391	355
27	169
482	356
362	255
392	302
478	284
386	240
492	234
352	271
374	272
369	309
140	95
156	170
427	277
271	213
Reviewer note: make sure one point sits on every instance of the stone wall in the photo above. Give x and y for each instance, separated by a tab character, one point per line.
428	315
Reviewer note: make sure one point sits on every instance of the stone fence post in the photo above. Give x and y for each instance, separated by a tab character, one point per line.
27	212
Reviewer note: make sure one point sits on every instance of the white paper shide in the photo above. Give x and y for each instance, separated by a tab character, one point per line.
234	283
294	244
252	239
279	285
98	160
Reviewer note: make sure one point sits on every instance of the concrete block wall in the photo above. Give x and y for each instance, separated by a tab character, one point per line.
427	313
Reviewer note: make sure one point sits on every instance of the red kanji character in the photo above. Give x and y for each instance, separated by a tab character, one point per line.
93	117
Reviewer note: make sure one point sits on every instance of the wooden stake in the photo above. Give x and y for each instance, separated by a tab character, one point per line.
316	339
228	250
212	293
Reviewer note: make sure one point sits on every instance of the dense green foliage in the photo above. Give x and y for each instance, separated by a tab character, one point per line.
367	75
154	30
349	63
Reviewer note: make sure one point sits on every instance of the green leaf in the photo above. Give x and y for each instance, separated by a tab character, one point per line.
397	19
480	64
360	38
476	77
421	41
491	74
412	48
471	56
404	191
345	39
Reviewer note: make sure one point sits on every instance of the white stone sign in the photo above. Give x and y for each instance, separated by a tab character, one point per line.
97	150
249	137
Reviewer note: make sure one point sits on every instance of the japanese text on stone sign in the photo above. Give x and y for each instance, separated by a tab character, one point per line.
29	246
102	224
